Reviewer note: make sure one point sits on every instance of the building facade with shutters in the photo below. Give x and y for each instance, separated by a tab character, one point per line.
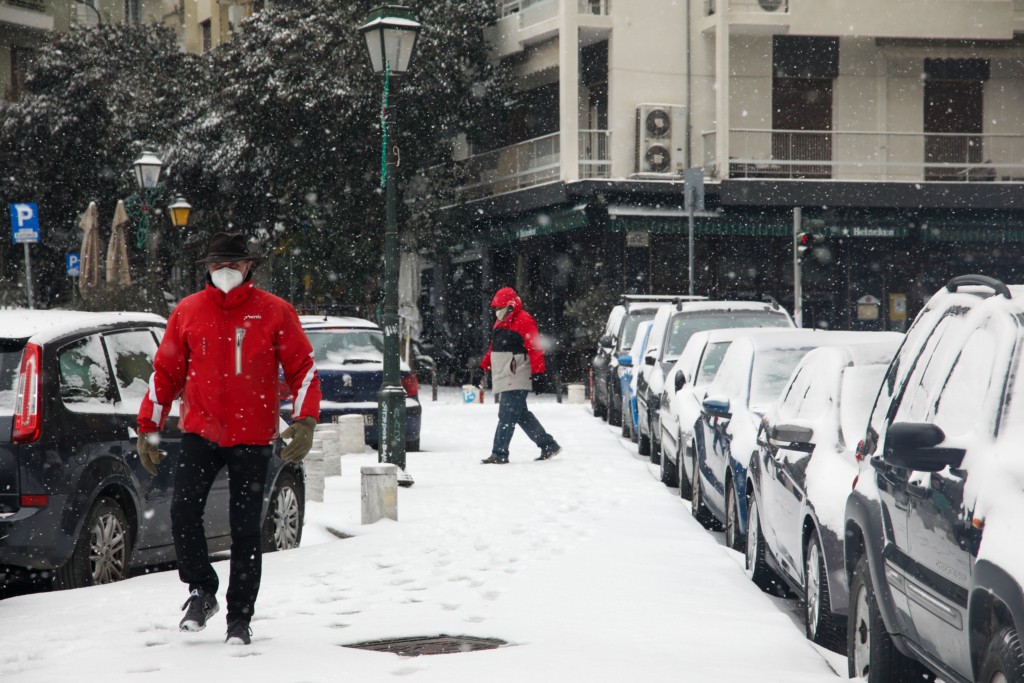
896	129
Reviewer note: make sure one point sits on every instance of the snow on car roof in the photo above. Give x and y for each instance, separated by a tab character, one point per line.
764	338
41	326
690	306
327	322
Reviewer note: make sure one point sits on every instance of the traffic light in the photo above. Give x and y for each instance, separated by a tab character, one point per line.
808	241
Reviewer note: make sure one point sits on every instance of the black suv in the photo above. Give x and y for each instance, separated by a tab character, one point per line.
75	503
932	526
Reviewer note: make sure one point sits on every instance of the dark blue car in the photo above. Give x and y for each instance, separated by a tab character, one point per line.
349	355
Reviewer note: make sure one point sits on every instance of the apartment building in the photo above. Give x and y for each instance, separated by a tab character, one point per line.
209	23
896	129
25	24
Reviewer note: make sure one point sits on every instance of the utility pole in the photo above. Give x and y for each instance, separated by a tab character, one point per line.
798	304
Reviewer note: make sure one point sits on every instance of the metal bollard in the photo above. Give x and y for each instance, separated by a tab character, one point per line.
379	493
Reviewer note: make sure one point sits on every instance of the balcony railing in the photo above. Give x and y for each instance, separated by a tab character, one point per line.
870	155
37	5
769	6
599	8
535	11
533	162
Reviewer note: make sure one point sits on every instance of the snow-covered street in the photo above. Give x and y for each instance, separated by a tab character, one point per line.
585	564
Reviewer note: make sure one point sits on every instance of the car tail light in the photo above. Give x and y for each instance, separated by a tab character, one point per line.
411	385
859	455
34	501
27	404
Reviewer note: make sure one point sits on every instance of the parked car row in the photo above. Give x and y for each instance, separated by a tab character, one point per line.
876	476
76	506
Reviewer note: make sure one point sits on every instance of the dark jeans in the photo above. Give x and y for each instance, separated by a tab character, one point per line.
512	411
198	466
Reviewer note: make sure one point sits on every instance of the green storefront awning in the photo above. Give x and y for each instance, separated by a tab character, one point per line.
676	222
535	224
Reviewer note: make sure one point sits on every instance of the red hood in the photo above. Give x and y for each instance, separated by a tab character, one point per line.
506	296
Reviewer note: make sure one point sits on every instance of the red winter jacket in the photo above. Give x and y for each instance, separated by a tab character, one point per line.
224	351
515	352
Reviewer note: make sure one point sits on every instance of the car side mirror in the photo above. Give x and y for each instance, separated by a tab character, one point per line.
649	360
792	437
680	380
607	341
626	361
914	446
717	406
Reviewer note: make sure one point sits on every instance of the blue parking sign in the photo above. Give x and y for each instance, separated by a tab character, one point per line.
73	263
25	223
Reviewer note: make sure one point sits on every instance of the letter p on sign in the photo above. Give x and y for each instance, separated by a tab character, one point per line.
25	223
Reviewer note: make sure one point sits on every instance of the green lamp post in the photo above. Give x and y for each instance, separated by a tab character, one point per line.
391	34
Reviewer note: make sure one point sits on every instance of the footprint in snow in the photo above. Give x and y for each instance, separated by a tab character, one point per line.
406	670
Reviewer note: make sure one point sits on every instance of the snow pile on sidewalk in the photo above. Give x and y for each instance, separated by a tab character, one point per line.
586	565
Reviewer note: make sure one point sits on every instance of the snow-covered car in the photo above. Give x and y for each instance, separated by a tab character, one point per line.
349	355
601	364
753	373
803	470
76	505
672	329
627	378
680	406
932	526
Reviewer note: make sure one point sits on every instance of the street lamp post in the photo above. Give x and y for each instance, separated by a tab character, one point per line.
180	211
391	34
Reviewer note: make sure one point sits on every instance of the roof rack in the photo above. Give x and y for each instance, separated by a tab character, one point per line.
663	297
979	281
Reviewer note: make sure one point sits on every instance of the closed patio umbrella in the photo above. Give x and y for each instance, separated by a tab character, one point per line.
118	272
89	277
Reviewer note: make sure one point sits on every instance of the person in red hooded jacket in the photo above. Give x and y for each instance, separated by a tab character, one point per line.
513	358
222	349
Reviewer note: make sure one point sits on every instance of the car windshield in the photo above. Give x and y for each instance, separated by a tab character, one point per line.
347	346
629	326
771	371
10	362
684	325
709	365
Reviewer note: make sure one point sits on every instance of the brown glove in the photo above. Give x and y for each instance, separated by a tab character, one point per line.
149	451
301	435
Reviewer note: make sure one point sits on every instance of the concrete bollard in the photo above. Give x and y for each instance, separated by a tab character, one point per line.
576	393
379	493
352	434
314	467
327	435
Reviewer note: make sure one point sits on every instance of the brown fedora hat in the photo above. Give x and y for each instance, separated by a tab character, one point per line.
229	246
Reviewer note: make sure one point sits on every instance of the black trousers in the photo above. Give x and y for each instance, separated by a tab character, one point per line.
198	466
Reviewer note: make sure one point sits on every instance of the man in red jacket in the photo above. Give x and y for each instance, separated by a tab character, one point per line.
222	347
513	358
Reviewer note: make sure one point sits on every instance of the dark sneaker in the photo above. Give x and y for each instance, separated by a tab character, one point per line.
239	633
199	607
548	453
495	460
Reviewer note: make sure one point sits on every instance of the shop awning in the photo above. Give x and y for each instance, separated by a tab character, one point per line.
537	223
675	221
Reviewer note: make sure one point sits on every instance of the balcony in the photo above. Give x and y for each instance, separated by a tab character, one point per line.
870	155
750	16
531	163
30	14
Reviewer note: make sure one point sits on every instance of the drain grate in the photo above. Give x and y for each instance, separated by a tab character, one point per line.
430	645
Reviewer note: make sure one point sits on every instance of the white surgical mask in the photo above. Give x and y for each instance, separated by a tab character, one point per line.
226	279
502	312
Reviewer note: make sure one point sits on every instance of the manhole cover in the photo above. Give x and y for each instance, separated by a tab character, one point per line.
430	645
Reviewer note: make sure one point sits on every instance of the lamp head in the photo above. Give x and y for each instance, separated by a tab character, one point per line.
179	211
391	32
147	170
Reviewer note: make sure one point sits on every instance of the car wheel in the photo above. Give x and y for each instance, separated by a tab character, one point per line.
102	551
615	415
820	624
669	471
869	647
599	408
282	529
756	561
733	538
655	445
1004	661
685	488
627	422
698	509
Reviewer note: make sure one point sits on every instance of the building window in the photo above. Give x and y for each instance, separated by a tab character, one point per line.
20	59
953	115
132	11
207	30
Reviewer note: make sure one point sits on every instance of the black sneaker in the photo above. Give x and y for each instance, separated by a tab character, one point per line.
548	453
495	460
239	632
199	607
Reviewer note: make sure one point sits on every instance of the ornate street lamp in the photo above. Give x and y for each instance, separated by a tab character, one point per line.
391	34
141	205
179	211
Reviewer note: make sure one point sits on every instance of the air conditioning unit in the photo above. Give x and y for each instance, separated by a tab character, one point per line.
660	139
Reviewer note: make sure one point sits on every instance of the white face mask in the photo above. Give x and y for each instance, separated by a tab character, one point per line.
502	312
226	279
